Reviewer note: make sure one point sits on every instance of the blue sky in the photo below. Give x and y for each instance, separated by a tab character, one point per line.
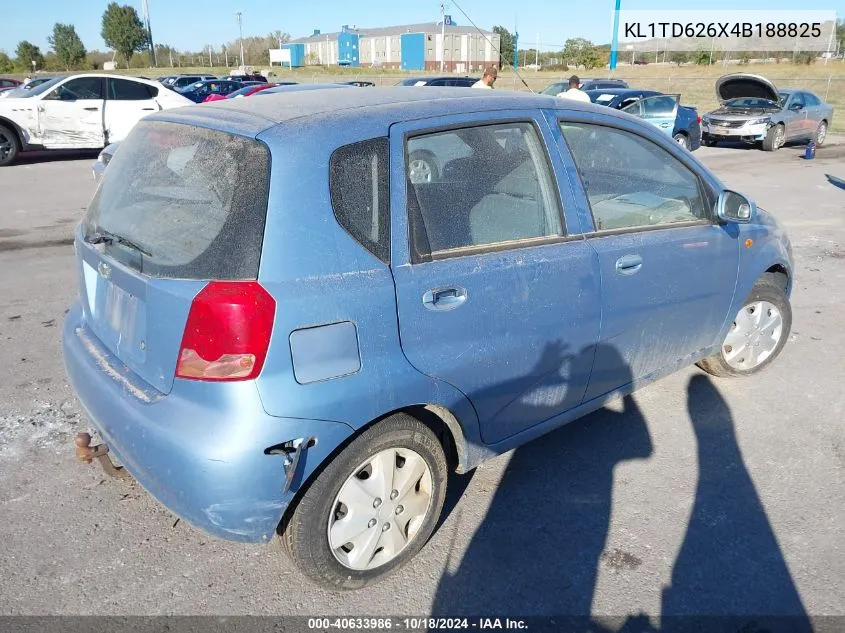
191	24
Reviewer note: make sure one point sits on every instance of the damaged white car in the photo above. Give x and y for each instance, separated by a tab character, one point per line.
86	111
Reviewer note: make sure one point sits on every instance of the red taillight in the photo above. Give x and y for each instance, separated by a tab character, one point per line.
698	119
227	333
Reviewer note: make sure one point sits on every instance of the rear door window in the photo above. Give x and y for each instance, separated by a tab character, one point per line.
125	90
487	185
193	199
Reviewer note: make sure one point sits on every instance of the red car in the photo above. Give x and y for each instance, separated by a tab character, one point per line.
243	92
8	84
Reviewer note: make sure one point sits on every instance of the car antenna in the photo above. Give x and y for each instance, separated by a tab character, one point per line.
493	46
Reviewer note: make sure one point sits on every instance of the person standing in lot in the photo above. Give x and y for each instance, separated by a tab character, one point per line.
574	91
489	78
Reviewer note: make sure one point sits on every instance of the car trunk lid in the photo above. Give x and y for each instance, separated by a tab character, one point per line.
179	206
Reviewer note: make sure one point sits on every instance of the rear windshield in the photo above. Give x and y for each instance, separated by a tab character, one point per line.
188	202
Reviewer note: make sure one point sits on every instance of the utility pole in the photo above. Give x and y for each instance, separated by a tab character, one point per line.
146	10
712	45
830	41
442	34
210	62
241	38
515	46
537	52
614	46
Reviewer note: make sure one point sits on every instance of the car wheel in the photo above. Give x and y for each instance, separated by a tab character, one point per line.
708	142
682	140
821	134
422	168
372	508
775	138
758	333
9	146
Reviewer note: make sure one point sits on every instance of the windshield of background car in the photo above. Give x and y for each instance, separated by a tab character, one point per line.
195	199
41	88
747	103
556	89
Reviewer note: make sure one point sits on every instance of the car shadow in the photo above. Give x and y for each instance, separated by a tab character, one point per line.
542	542
33	158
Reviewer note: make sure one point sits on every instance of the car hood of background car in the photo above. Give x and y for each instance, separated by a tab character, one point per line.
738	85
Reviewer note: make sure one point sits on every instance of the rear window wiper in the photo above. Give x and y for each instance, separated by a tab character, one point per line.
107	237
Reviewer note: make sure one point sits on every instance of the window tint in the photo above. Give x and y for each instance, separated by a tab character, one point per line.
358	180
124	90
80	88
479	186
658	107
811	100
630	181
797	99
194	198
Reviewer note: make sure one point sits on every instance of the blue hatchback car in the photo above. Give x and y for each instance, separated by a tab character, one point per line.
279	331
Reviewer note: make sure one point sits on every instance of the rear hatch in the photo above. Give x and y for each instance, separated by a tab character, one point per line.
177	207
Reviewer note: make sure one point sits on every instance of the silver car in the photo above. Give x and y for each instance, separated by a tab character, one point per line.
754	111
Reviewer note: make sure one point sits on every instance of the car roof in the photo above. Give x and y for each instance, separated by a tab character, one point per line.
391	105
617	91
149	82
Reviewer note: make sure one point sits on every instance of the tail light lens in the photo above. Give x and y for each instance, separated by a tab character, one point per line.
227	333
698	119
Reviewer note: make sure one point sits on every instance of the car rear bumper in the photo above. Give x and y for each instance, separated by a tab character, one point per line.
199	450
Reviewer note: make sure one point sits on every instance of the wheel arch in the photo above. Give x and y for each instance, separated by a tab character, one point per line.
14	127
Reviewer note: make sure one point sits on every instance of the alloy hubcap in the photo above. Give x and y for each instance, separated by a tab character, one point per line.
821	135
681	140
779	137
5	146
419	171
380	509
754	335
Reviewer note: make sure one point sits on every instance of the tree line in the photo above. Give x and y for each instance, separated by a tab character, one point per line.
582	53
125	33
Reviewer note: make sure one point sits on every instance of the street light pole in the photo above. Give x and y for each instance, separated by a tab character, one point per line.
614	46
241	38
442	35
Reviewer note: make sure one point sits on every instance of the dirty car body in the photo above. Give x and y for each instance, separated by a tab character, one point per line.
226	371
751	106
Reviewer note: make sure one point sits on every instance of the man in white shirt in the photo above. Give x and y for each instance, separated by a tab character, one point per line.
489	78
574	91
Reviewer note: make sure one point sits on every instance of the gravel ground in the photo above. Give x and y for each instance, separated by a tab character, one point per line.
698	496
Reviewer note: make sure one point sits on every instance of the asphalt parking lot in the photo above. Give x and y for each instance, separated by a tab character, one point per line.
701	496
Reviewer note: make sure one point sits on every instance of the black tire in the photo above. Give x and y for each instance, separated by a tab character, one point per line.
682	139
429	160
821	134
769	288
10	146
708	142
774	138
304	533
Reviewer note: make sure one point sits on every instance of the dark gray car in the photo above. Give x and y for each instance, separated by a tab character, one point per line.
754	111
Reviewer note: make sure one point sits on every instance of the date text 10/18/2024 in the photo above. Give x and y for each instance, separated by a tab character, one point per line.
417	624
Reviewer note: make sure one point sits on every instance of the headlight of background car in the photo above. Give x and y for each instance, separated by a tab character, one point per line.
758	121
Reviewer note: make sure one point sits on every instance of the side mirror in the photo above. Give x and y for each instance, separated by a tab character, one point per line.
734	207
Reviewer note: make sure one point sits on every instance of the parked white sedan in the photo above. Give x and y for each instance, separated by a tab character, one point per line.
86	111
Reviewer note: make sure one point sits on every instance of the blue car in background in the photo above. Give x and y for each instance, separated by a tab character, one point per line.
664	111
279	332
201	90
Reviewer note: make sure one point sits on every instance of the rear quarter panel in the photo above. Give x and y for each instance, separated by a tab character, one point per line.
320	275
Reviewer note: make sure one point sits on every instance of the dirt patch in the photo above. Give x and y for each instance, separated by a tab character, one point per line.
620	560
47	426
23	246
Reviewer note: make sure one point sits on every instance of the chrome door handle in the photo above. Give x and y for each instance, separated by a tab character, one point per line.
629	264
443	299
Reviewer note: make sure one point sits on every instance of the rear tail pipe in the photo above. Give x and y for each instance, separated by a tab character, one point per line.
87	453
